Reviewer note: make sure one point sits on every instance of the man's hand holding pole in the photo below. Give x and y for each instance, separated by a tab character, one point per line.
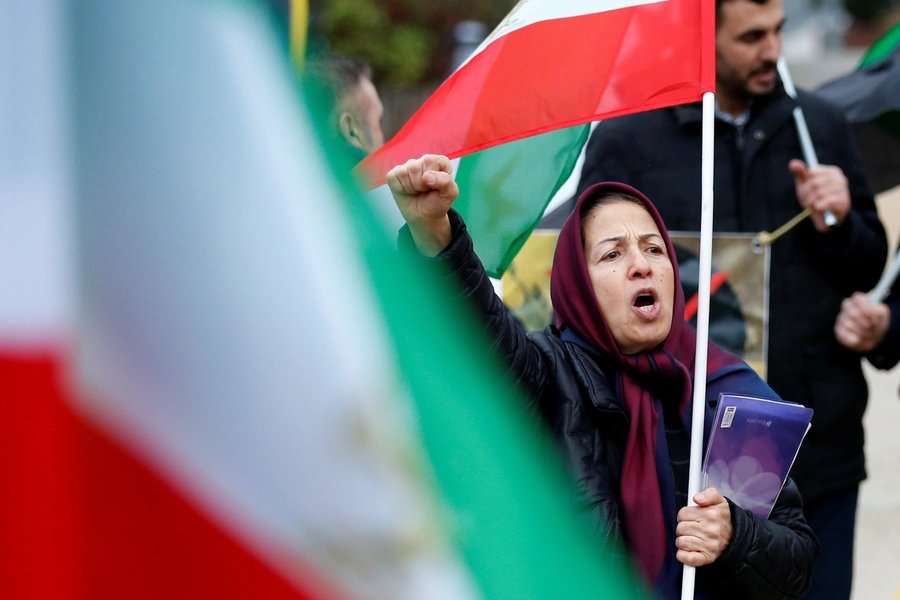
828	217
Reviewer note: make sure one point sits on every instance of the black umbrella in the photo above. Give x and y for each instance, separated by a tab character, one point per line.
870	100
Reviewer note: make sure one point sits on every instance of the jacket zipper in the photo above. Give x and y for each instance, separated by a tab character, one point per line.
609	528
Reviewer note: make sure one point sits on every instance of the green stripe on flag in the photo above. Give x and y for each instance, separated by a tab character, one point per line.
505	189
511	509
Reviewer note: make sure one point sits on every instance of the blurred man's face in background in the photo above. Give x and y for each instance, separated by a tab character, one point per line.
748	44
361	118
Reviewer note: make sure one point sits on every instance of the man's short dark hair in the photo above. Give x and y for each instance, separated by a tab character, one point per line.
719	4
337	75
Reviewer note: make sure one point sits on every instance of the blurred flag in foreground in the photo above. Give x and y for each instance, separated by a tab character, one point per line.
550	66
237	389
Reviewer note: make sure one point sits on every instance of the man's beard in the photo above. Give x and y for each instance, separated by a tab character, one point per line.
740	89
748	92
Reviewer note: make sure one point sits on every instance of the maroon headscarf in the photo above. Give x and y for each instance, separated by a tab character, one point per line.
667	367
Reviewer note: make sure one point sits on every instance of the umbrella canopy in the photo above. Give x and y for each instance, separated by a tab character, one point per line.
870	99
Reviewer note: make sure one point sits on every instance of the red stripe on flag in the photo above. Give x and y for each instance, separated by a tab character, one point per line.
708	47
558	73
39	545
82	517
148	542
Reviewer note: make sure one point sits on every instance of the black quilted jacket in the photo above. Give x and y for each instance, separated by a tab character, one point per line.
766	558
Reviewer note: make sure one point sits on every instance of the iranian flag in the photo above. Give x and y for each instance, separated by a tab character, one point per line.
551	65
217	378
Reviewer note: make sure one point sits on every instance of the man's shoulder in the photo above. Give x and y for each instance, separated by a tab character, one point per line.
628	132
642	121
817	106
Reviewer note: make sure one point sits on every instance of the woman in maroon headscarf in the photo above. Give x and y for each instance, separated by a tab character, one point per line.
613	381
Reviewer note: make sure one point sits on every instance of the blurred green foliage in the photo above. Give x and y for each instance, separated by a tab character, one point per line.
407	42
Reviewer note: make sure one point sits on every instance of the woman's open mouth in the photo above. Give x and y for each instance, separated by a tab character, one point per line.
646	304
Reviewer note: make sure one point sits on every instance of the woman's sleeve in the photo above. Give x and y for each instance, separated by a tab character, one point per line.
506	338
766	558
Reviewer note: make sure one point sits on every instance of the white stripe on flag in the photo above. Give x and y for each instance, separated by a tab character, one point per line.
529	12
36	293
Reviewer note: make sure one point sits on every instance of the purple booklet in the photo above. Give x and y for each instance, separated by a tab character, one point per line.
752	446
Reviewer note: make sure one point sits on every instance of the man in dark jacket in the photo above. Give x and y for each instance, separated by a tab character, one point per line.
760	183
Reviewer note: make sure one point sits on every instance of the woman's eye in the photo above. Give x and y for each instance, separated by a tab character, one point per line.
654	250
612	255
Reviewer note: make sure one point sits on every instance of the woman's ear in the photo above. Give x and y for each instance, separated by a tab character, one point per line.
350	129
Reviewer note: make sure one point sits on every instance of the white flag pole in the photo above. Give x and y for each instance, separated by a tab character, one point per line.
699	400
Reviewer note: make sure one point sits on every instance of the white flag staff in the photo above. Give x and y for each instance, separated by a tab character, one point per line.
809	151
699	400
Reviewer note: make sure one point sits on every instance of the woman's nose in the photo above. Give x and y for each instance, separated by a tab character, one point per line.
640	266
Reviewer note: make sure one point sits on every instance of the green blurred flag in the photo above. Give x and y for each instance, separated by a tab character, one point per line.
509	505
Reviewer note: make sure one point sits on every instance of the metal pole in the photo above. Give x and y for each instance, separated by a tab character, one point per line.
809	151
880	292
